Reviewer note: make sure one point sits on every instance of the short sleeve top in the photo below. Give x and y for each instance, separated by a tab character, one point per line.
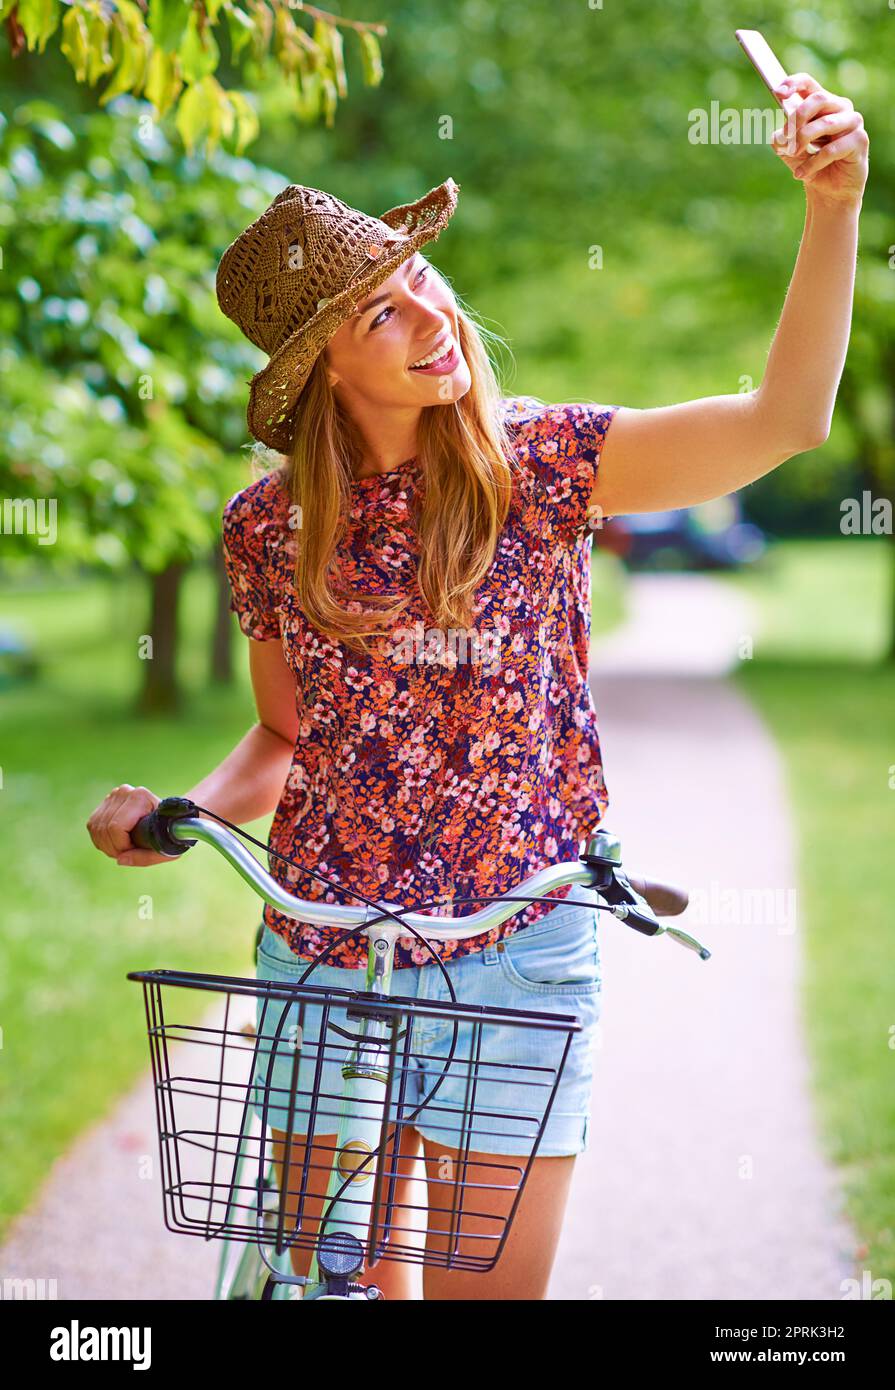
470	760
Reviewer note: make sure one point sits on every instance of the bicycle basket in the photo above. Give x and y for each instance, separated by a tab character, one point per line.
346	1074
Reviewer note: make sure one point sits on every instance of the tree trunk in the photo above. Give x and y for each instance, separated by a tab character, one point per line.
222	630
160	694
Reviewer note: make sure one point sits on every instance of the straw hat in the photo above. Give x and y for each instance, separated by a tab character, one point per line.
299	271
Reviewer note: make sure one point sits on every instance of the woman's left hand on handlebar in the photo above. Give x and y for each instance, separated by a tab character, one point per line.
113	820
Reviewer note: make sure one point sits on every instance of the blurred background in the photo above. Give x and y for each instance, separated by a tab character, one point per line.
623	262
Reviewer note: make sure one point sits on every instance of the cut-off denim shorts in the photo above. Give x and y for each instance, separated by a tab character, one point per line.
549	966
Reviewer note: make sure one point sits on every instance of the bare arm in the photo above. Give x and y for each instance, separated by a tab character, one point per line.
249	782
245	786
678	455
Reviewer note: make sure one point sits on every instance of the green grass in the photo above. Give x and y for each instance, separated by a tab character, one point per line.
73	922
818	680
824	601
608	592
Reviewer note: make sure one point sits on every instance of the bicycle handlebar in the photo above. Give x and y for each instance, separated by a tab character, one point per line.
175	826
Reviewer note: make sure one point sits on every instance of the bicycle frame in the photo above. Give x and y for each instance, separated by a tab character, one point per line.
365	1073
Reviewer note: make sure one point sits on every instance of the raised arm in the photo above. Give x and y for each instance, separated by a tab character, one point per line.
678	455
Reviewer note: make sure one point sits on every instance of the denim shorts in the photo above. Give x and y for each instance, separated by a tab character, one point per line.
549	966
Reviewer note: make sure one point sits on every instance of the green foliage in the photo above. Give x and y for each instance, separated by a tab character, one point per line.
122	384
169	51
567	128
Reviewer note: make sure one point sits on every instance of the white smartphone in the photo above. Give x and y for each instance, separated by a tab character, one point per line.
772	72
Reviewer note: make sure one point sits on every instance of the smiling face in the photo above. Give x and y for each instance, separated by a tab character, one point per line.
409	317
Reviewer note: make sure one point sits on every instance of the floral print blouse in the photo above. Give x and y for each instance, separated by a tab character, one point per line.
441	766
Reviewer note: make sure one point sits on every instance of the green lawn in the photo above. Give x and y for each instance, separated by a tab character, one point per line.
817	679
608	592
73	922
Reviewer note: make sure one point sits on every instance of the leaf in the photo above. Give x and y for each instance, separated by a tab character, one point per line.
194	113
99	56
120	58
247	123
337	49
262	28
199	52
371	58
162	82
286	51
330	101
308	94
74	42
241	29
130	50
221	118
39	19
167	22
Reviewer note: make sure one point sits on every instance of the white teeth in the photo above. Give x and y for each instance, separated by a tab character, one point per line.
433	356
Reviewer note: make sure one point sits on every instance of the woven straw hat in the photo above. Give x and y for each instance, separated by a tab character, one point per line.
299	271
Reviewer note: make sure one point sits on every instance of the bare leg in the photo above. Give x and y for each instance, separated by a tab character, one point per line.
523	1270
392	1276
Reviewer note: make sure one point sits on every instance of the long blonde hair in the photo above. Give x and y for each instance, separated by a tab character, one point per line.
465	461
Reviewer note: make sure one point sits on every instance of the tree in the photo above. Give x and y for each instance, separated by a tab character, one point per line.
121	384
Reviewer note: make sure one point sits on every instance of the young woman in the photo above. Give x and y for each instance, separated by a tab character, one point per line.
414	582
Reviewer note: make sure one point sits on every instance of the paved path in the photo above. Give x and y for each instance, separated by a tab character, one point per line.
704	1178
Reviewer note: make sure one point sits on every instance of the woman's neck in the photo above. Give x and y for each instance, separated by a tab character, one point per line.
387	438
367	471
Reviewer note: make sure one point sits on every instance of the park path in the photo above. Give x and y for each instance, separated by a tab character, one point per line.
704	1178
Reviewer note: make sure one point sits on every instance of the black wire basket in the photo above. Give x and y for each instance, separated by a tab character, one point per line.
251	1082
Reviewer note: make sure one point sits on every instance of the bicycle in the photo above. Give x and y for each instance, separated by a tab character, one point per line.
236	1197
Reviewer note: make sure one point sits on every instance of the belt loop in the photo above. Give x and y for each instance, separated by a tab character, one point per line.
489	955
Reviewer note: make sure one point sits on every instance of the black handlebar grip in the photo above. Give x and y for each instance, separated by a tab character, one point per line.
153	832
143	833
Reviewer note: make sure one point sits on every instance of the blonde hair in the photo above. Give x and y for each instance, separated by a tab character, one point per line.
465	461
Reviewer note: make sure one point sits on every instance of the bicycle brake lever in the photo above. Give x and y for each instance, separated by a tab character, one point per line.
684	939
646	922
629	907
603	855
